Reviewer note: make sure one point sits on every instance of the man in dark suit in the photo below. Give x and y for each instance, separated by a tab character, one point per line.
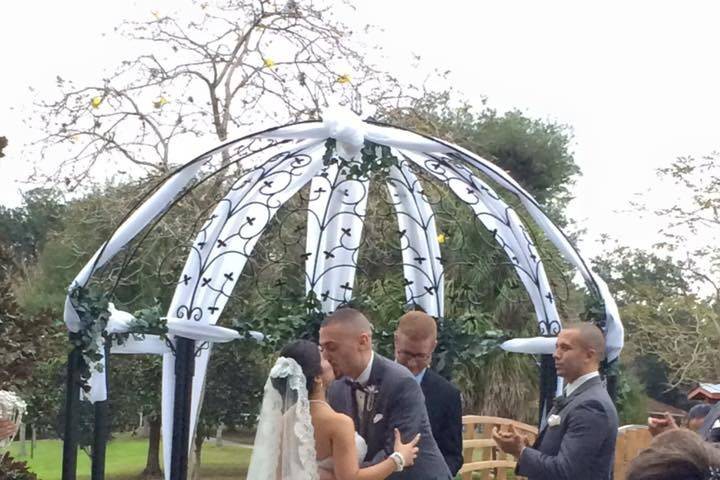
578	438
379	395
710	430
415	342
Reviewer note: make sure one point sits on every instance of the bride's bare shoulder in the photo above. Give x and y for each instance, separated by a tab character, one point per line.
335	424
342	424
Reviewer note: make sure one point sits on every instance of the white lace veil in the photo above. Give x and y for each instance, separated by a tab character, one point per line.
284	446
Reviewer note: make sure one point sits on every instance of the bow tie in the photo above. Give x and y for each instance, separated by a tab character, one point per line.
559	402
355	386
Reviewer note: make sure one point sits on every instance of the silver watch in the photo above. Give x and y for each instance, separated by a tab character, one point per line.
399	461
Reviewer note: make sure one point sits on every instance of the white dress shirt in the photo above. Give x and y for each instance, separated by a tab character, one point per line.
362	380
571	387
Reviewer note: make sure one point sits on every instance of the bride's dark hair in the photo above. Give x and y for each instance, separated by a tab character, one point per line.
307	355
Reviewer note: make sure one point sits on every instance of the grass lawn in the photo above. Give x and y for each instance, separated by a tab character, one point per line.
126	458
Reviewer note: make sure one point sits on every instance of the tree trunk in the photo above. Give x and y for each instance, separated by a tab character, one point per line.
152	466
218	435
32	442
199	439
23	451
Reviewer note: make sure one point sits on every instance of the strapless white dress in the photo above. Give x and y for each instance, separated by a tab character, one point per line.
328	463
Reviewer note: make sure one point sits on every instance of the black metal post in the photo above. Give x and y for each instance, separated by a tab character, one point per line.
548	385
101	428
611	380
184	371
72	414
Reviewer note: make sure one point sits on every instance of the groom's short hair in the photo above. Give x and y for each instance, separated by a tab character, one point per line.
348	317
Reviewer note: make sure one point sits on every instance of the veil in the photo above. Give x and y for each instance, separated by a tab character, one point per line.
284	446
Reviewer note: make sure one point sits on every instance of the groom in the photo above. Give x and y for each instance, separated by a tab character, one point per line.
378	394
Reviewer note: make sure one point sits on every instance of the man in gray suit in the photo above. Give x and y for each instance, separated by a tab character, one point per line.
578	439
379	395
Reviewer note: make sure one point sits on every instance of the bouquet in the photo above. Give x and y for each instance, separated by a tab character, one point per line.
12	408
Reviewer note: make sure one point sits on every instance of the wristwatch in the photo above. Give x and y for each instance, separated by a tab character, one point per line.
399	461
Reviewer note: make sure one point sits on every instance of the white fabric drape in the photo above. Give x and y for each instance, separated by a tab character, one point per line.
230	236
509	232
422	261
336	214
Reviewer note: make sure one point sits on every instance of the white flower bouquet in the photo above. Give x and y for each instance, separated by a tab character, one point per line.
12	408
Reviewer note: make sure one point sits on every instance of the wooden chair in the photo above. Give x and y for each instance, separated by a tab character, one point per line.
477	435
631	440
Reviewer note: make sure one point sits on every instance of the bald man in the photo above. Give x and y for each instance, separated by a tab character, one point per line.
415	342
578	439
379	395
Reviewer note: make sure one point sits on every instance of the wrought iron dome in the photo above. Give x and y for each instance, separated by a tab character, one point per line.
333	157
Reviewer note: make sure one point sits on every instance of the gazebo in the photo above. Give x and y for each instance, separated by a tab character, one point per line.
335	158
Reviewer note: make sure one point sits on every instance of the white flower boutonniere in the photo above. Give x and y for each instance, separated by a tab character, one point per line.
554	420
371	392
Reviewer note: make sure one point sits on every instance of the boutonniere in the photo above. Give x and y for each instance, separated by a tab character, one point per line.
554	420
713	473
371	392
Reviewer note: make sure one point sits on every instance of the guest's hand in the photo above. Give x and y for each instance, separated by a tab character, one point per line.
511	441
660	425
7	429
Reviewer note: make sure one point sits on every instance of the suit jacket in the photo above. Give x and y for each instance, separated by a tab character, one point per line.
582	446
395	400
444	408
707	431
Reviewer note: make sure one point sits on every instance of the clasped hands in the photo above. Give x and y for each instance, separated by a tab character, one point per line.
510	441
660	425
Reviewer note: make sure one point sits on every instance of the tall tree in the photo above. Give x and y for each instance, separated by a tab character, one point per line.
214	67
666	320
536	153
691	223
672	294
25	229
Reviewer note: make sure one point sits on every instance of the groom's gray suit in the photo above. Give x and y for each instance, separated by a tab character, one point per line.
582	445
393	399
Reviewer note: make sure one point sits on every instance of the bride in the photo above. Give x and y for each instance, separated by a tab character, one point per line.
300	436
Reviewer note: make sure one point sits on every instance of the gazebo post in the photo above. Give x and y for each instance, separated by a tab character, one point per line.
184	372
101	427
611	382
548	386
72	410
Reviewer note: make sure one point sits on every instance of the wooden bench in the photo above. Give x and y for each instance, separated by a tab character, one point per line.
631	440
478	443
482	458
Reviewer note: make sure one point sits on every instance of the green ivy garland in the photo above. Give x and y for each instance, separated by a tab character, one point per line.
374	159
91	305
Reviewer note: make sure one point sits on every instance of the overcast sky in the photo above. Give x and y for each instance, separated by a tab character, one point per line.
637	81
